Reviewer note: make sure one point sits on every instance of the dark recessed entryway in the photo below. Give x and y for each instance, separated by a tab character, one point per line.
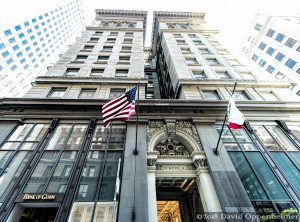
38	214
178	199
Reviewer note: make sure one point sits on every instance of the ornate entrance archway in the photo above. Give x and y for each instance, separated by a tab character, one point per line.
175	158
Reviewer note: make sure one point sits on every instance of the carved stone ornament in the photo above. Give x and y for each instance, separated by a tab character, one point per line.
171	129
151	161
200	162
171	147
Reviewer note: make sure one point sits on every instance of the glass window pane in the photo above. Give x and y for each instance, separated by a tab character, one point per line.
118	134
231	146
241	135
265	137
288	168
4	156
281	138
101	133
81	212
59	139
90	176
10	146
295	156
268	178
20	132
226	136
295	130
42	172
76	138
38	132
28	146
12	172
62	172
248	178
248	146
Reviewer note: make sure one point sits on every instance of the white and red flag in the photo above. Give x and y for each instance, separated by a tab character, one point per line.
236	118
120	108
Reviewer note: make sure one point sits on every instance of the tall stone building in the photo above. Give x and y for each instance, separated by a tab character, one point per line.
59	163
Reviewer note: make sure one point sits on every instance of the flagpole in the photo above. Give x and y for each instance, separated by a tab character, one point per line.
136	152
216	149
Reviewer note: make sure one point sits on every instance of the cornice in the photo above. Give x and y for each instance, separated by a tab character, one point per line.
90	80
230	83
121	12
178	14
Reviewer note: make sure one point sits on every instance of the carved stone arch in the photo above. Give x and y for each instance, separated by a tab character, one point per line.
181	136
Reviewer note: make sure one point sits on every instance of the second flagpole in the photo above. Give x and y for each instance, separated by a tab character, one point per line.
216	149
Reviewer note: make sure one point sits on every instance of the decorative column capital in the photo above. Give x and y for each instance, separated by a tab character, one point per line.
151	159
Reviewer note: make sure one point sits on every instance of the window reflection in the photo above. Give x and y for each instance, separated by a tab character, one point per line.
268	178
265	137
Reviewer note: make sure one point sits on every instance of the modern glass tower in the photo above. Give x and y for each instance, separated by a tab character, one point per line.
59	163
27	48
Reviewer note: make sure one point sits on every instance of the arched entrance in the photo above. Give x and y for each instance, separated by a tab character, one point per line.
176	167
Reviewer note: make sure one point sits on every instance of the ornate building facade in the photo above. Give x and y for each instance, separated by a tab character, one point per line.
60	164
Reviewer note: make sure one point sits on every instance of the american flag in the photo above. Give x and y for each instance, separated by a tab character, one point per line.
120	108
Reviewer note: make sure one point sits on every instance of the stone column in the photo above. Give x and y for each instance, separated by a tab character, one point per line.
206	187
152	206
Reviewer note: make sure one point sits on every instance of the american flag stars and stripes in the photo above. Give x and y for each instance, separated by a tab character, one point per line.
120	108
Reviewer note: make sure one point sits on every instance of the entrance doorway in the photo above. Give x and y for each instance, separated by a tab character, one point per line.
38	215
178	200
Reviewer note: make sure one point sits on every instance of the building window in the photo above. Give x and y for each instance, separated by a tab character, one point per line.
124	60
107	48
279	56
247	75
111	40
199	74
126	49
129	34
298	71
241	95
290	42
197	42
12	40
5	54
203	51
212	62
254	57
72	72
87	93
298	49
211	95
83	188
127	41
97	72
9	61
7	32
88	48
257	27
185	50
94	40
270	33
81	58
270	69
116	92
279	37
98	33
270	51
279	75
262	46
180	42
223	75
121	72
21	35
262	63
290	63
114	33
268	96
191	61
57	92
102	59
